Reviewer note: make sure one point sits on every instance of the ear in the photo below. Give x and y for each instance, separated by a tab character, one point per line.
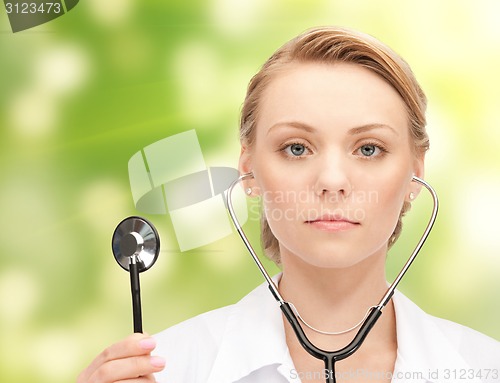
245	166
245	163
418	170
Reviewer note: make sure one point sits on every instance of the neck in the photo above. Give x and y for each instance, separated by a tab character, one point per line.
334	300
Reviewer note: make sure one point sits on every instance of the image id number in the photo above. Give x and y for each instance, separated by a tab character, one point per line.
469	374
31	8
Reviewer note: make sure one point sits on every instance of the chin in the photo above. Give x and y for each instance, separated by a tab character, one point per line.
326	258
335	255
334	262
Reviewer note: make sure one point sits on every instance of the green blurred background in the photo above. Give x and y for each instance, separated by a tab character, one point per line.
83	93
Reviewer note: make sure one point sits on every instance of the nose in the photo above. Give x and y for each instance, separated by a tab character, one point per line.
332	176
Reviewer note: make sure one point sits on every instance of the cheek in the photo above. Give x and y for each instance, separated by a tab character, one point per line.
287	200
386	201
284	201
277	181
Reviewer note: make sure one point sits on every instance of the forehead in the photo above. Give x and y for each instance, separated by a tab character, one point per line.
338	94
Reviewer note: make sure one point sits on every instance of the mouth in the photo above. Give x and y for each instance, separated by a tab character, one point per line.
333	223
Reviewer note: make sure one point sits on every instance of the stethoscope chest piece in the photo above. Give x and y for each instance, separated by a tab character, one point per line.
135	245
136	239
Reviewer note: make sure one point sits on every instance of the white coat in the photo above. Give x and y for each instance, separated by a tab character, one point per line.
245	343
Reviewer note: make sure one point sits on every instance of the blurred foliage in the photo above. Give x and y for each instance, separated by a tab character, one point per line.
83	93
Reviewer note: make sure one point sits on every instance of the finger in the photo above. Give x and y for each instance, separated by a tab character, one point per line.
133	345
127	368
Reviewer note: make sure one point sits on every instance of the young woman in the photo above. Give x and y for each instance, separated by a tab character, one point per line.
333	130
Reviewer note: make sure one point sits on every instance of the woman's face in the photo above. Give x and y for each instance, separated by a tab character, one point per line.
332	161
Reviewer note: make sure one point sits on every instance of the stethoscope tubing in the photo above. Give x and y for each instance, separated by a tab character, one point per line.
135	288
330	357
390	291
248	245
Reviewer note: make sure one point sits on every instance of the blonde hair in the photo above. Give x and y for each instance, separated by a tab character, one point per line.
330	45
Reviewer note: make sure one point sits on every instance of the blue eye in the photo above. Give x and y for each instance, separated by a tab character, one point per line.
297	149
372	150
368	150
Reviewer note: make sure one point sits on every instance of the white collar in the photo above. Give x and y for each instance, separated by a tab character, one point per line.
255	338
424	347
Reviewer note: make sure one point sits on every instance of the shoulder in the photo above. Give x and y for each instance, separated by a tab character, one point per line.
211	326
429	340
203	341
207	327
478	349
194	342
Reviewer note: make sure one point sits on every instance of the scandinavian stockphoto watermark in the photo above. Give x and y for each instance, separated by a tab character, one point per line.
170	176
28	14
304	205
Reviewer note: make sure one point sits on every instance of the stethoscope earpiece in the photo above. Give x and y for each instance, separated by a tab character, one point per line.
136	246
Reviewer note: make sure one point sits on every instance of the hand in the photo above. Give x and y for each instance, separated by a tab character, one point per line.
129	359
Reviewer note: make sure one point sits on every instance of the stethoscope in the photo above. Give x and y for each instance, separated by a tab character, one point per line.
136	245
330	357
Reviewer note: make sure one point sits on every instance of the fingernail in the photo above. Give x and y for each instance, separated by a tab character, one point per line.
157	361
147	344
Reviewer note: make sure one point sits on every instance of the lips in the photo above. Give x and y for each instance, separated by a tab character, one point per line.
332	217
333	223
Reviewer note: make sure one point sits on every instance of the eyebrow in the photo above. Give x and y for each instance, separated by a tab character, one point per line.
353	131
292	124
368	127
